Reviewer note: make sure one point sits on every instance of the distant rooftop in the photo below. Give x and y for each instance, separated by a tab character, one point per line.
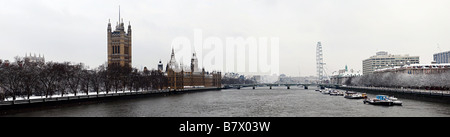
383	54
415	66
442	52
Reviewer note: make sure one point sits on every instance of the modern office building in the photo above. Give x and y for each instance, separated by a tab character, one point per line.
442	58
384	60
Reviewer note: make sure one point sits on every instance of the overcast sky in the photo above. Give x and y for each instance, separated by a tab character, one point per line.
350	30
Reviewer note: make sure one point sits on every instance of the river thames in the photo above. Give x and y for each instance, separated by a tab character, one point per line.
246	102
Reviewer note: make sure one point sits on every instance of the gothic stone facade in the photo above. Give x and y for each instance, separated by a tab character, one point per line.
180	78
119	45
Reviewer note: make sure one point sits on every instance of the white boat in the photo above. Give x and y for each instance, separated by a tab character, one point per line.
379	100
395	100
398	102
392	98
336	93
382	100
354	95
325	92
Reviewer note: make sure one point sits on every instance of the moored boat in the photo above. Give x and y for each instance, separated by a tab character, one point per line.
336	93
395	100
325	92
354	95
398	102
379	100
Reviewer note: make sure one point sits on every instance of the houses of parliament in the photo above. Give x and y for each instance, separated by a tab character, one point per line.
179	77
119	44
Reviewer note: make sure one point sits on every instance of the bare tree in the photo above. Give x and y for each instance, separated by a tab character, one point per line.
36	78
30	78
95	80
49	78
105	78
113	75
397	80
86	76
11	81
145	80
74	76
158	80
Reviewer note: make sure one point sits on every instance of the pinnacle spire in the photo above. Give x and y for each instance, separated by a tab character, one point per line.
119	14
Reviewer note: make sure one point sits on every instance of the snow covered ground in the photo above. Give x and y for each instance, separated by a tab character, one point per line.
102	94
68	95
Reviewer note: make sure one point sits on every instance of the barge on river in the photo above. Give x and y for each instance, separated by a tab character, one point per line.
382	100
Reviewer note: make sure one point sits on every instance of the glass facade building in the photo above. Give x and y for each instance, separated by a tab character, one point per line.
384	60
442	57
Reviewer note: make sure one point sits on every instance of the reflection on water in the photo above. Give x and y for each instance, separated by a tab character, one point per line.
262	102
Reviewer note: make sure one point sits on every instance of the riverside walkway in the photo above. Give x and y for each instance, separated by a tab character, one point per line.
429	93
94	96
